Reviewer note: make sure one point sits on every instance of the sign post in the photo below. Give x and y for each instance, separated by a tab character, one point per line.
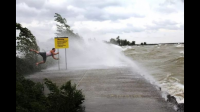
65	58
62	42
58	61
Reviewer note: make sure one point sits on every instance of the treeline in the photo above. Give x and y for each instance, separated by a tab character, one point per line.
30	95
123	42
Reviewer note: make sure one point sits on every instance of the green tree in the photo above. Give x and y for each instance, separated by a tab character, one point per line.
125	42
113	41
118	40
133	43
64	29
64	99
25	60
25	40
145	43
30	96
121	42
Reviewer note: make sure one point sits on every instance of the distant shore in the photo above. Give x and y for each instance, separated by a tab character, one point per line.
160	43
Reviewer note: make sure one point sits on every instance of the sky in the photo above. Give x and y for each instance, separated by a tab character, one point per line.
150	21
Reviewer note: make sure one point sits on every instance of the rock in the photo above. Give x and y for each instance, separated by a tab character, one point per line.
180	107
172	99
159	88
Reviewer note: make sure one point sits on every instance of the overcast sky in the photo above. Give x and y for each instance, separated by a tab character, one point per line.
151	21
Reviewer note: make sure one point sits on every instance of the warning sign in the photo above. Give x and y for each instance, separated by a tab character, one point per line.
61	42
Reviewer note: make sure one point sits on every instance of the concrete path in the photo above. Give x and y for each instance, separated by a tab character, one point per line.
111	90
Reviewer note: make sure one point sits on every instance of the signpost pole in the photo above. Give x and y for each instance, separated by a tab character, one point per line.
66	58
58	61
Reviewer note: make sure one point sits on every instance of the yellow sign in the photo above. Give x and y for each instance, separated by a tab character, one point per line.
61	42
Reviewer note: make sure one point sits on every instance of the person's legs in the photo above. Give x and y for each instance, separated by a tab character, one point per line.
34	51
40	63
43	54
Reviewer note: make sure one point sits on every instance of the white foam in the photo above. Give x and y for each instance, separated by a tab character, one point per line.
182	52
124	48
180	45
164	95
173	87
181	101
93	54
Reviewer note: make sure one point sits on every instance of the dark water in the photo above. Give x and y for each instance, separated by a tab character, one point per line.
165	63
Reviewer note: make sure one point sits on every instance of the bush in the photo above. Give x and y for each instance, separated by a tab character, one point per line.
26	66
65	99
30	97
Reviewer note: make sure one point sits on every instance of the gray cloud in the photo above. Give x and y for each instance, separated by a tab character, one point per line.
23	9
91	10
166	24
169	6
96	3
97	14
38	4
131	28
94	10
128	29
43	12
165	10
25	13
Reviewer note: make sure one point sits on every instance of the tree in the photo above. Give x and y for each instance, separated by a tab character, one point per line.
113	41
25	40
118	40
30	96
64	99
133	43
121	42
64	29
125	42
145	43
25	60
142	44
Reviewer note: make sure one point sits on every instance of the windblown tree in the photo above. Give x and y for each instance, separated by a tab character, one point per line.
25	60
63	29
25	41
